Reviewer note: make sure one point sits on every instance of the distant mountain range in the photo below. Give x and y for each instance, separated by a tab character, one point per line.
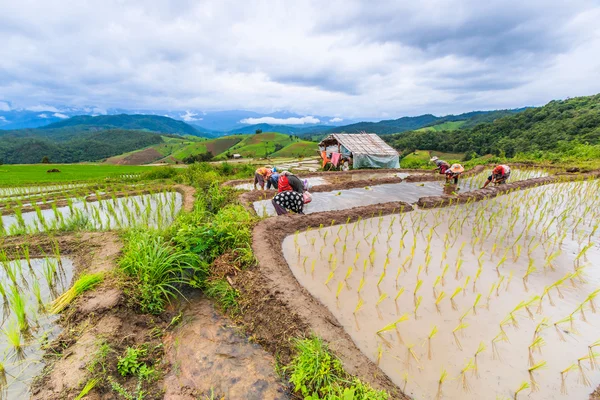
217	121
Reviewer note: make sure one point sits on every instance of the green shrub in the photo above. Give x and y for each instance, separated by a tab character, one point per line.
159	269
317	374
159	173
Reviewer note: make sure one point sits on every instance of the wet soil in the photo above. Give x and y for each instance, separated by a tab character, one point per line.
207	345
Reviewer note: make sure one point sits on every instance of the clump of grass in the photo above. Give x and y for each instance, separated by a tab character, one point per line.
443	377
83	284
160	269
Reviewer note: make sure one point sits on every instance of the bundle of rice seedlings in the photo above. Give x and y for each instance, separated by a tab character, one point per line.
83	284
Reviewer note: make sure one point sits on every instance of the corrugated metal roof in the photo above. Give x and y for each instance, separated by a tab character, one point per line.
361	143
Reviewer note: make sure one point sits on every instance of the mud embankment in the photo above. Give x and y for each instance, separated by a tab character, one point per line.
276	308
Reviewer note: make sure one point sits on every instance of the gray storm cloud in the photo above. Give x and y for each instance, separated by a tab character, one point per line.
350	58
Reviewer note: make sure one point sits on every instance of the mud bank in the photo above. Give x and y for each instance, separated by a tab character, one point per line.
276	308
493	191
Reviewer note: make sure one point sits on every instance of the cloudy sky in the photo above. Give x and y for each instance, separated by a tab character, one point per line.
346	58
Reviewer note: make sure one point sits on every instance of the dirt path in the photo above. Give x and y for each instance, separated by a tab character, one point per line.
209	357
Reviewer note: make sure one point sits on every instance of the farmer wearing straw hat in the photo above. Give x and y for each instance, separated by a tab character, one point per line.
262	175
454	172
440	165
499	176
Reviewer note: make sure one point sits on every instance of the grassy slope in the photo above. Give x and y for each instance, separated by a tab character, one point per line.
13	175
169	146
446	126
249	146
298	149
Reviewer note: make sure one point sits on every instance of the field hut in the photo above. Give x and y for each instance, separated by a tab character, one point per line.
366	150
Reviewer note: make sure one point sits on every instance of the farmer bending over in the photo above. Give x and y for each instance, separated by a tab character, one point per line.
273	179
262	175
453	173
293	194
440	165
500	175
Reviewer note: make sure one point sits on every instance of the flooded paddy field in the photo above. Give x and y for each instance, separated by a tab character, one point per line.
154	210
409	192
493	299
28	287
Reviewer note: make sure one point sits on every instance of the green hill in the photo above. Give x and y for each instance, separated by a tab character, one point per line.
558	127
269	143
88	146
153	123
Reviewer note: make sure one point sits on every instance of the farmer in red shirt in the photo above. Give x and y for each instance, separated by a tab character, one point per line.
499	176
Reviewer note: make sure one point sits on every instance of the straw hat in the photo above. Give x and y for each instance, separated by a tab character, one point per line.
434	158
457	168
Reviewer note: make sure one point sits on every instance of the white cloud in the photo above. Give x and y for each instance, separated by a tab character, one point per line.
281	121
4	106
43	116
3	119
336	119
341	57
60	115
190	116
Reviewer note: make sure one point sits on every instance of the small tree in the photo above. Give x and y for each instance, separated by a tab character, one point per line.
45	160
258	131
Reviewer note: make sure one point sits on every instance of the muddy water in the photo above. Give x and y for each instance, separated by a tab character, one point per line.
155	210
215	361
313	181
409	192
477	181
518	232
343	199
22	367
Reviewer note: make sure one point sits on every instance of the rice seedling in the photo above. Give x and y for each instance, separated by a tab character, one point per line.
582	376
563	377
17	304
456	330
83	284
524	385
537	343
433	332
531	370
593	364
463	376
443	377
456	292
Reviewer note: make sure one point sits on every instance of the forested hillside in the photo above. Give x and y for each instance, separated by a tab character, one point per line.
559	125
154	123
88	146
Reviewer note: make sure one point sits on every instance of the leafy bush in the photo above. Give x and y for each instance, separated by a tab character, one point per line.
160	173
317	374
158	267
